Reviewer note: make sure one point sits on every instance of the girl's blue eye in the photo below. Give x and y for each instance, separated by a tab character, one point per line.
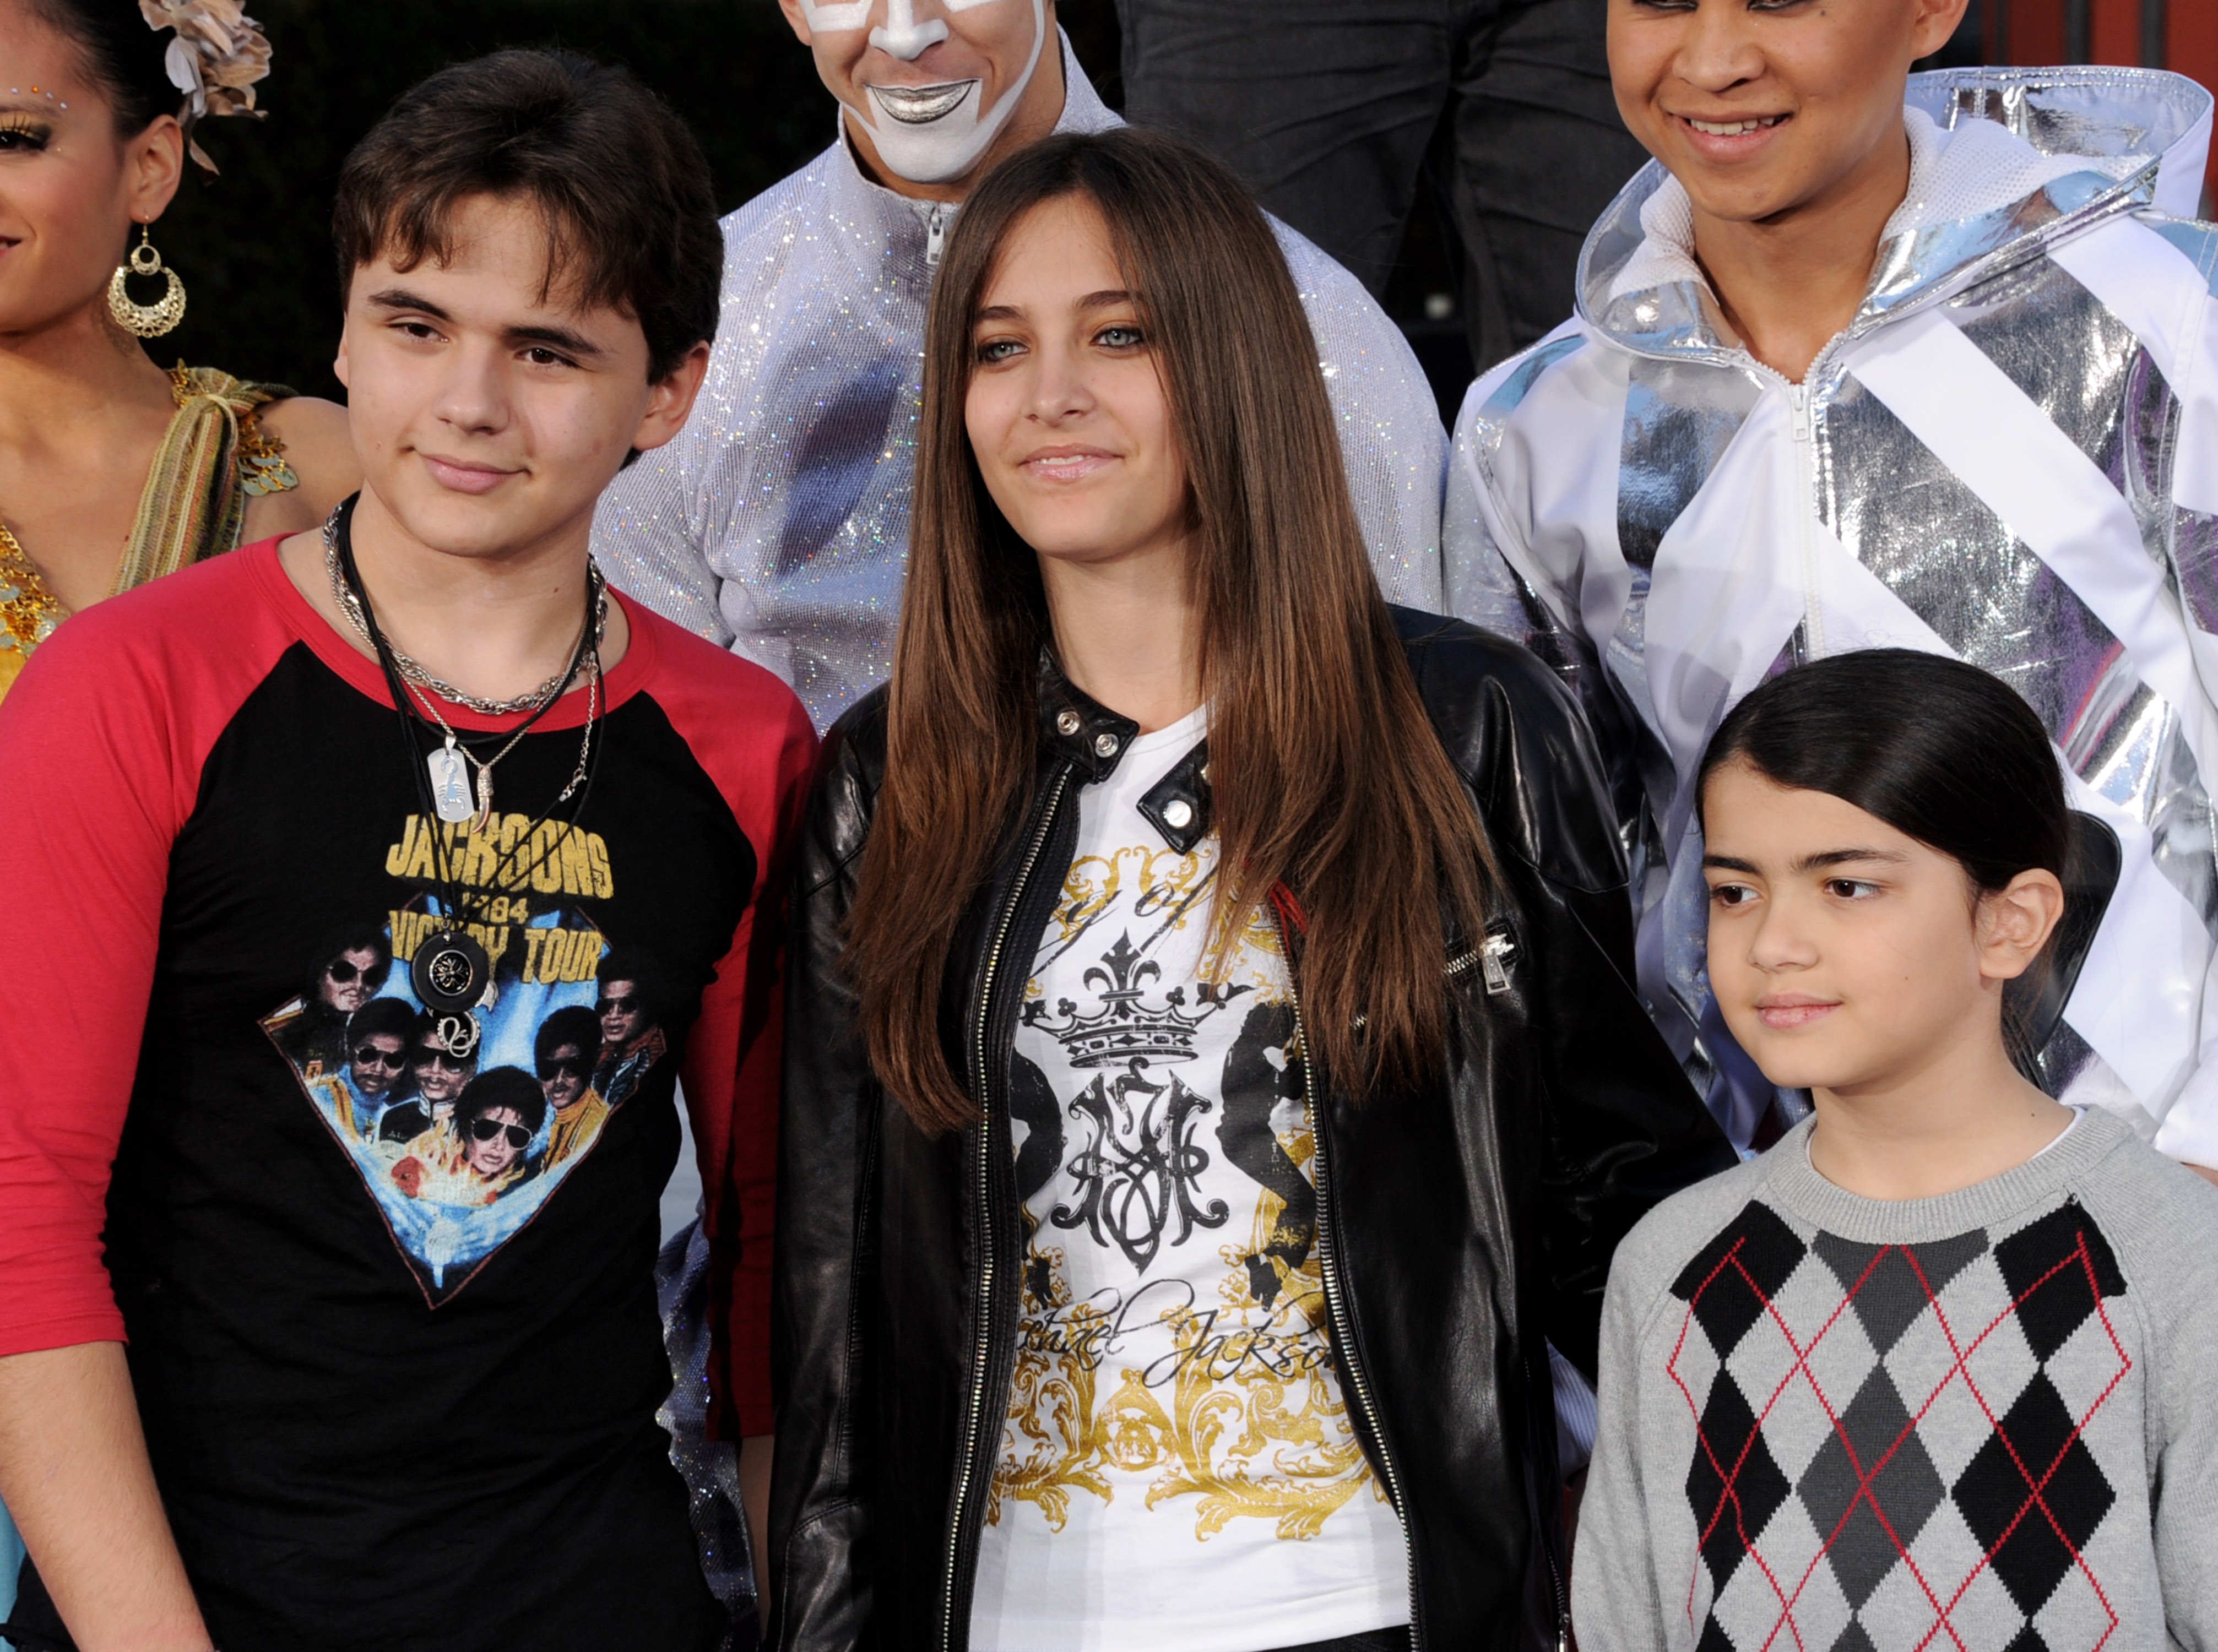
1120	336
998	349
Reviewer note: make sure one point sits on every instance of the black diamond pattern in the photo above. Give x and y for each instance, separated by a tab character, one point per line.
2043	1267
1901	1494
2032	1551
2032	1494
1730	1295
1734	1495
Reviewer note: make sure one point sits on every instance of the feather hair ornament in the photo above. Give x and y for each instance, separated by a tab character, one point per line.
217	55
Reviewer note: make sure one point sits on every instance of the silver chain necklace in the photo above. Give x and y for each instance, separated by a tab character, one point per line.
417	676
451	794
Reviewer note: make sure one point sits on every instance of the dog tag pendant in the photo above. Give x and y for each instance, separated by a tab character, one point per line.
450	784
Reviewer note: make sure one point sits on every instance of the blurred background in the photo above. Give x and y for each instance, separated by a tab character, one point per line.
254	246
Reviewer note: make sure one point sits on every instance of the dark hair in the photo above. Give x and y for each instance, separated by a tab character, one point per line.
1939	749
1326	777
363	937
620	184
632	964
387	1017
122	55
575	1025
501	1086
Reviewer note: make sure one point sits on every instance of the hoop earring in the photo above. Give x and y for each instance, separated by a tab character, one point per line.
147	320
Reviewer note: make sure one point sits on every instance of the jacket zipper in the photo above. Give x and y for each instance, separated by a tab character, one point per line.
1813	618
1563	1602
985	1206
1492	960
1335	1296
935	235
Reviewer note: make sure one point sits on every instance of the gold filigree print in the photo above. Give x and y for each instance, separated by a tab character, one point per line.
1242	1413
1178	1101
1052	1434
1168	887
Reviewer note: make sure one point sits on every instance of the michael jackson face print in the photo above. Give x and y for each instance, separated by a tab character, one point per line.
463	1126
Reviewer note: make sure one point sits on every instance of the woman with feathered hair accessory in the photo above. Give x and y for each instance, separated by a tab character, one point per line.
113	470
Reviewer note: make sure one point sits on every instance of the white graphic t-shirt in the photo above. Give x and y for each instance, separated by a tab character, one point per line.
1178	1471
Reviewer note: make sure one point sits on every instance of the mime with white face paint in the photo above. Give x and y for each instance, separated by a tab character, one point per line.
778	523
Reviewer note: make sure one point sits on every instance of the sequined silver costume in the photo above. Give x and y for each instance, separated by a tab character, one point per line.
2010	455
777	522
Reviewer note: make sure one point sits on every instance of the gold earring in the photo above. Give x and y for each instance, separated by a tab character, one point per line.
147	320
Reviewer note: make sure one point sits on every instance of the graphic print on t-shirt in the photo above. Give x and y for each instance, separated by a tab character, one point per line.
463	1126
1173	1320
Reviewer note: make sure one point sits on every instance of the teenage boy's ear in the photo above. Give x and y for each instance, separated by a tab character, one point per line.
669	399
2016	923
1932	23
797	21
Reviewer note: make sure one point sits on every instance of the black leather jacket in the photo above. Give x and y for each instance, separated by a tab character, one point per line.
1459	1225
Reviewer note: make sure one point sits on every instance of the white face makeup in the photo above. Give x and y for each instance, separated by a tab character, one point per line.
928	133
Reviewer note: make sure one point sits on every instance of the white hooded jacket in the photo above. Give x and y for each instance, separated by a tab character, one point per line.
2010	455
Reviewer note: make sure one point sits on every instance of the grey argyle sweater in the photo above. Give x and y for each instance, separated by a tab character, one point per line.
1985	1422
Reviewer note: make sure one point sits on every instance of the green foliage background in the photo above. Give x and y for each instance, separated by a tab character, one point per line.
254	246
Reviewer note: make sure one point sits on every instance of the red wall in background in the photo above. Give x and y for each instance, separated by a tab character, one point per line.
2191	39
2030	31
2038	32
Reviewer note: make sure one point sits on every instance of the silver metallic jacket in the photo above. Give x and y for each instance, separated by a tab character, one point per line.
777	522
2010	455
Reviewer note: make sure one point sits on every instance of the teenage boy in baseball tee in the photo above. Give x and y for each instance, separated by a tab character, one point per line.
386	1392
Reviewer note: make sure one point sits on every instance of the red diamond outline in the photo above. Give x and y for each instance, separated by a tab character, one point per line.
1863	1494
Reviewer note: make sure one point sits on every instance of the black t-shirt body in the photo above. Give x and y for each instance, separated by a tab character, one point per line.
387	1277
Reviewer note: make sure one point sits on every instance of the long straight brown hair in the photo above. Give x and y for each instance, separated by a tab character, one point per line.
1326	777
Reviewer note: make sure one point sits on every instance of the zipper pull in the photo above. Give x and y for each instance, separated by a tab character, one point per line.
1801	398
935	235
1493	962
1564	1633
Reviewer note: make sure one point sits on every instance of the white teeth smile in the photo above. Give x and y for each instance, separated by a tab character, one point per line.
918	106
1733	128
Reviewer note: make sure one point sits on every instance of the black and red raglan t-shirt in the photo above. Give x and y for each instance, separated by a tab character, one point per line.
390	1311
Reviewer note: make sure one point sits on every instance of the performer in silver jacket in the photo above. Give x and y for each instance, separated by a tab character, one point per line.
2011	455
778	523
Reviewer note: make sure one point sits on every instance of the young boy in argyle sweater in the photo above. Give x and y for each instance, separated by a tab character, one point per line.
1940	1370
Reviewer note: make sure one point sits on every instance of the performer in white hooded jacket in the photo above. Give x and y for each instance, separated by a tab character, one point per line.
778	523
2002	444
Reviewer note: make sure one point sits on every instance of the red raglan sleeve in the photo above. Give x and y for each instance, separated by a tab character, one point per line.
100	749
761	749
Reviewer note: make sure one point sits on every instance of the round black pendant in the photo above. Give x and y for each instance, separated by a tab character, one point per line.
449	972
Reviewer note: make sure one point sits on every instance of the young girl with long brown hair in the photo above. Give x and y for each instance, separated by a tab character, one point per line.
1213	1082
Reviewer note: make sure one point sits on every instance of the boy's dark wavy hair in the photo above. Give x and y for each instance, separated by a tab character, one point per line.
619	182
